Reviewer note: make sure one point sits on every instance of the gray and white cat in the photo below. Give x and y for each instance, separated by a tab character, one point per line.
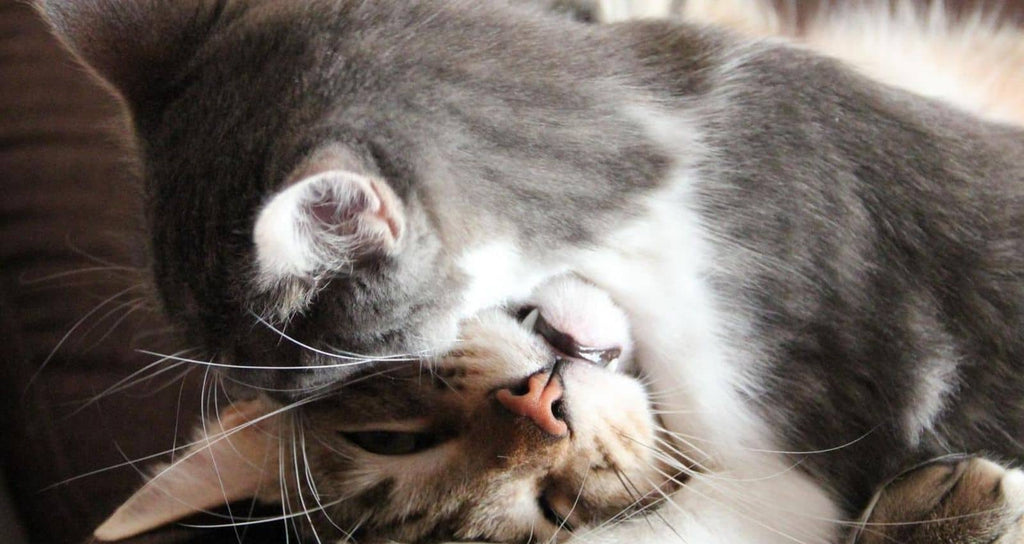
824	274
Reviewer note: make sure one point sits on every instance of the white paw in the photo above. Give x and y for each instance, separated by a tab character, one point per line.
586	314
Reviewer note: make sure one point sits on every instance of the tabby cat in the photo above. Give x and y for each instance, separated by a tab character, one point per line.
509	438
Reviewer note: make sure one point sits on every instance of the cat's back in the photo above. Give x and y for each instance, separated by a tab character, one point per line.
872	239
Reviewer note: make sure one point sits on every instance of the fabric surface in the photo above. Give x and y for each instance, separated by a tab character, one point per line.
73	310
11	531
67	220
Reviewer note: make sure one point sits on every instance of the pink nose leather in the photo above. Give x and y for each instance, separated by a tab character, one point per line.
537	403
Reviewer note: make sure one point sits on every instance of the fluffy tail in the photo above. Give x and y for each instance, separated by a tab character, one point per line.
974	60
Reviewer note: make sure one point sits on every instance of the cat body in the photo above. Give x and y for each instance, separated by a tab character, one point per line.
824	275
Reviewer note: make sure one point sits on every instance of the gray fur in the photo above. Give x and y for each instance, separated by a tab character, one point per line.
841	208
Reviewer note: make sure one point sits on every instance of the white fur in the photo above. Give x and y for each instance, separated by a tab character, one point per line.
938	374
621	10
763	504
1011	484
753	17
656	268
498	272
282	245
937	382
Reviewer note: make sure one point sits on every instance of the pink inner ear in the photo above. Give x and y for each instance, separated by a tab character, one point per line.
356	207
322	223
336	211
388	216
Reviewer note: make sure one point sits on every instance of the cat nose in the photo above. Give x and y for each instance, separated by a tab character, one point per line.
537	399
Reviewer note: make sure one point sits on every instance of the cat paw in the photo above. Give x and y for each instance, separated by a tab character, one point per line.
582	322
954	500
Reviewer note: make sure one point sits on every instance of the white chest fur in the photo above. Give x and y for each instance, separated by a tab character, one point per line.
657	269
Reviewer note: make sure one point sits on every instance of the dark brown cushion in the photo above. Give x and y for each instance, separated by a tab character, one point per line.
73	297
68	247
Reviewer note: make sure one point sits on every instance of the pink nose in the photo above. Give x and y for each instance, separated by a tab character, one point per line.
537	403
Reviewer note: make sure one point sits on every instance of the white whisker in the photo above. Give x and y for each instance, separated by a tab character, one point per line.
132	305
132	380
833	449
310	480
341	355
71	331
298	484
23	280
254	367
213	439
213	457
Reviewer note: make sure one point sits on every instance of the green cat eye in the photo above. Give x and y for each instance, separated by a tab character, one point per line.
392	442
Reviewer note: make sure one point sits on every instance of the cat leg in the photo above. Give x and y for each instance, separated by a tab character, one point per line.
582	322
956	501
768	501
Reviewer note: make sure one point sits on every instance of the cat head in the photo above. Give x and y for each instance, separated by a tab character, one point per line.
357	177
498	442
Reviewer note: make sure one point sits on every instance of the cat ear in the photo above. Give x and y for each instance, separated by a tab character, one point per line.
138	46
324	222
235	458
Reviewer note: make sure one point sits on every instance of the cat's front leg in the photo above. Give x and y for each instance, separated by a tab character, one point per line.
954	500
769	501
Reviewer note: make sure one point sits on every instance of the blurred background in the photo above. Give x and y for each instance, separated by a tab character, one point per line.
74	307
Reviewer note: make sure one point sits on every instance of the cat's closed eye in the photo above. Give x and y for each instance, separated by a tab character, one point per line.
558	510
392	442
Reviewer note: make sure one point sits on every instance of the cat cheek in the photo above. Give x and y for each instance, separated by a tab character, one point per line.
324	223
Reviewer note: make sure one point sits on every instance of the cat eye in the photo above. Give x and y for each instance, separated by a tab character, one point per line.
552	515
392	442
